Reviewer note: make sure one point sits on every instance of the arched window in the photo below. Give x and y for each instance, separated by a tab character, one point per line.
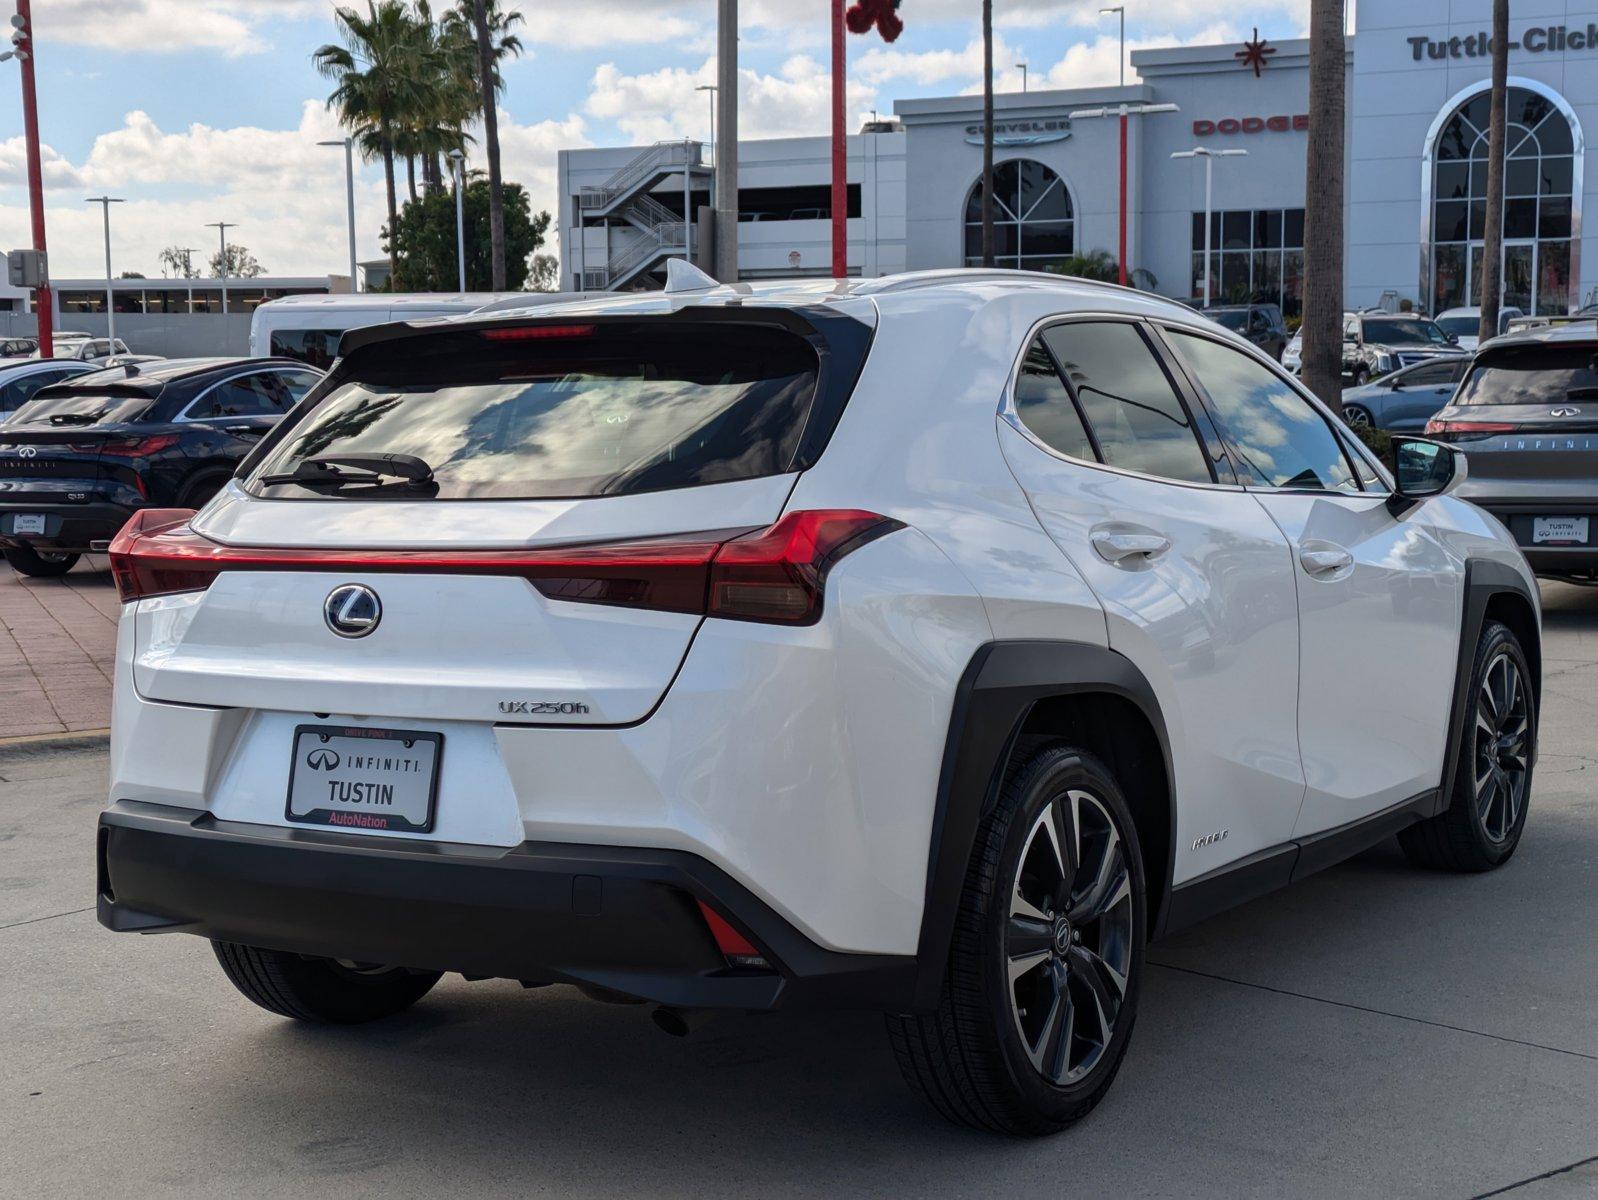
1542	169
1033	222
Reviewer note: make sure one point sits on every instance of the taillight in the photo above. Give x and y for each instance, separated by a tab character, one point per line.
525	333
140	447
774	575
1469	428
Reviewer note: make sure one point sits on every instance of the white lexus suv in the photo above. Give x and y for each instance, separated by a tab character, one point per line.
925	644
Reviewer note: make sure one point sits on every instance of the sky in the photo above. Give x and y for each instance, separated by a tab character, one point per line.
197	111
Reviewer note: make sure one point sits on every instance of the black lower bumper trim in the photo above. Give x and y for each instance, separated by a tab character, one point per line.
620	918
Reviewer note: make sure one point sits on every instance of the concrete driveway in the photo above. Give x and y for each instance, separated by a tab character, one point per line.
1377	1031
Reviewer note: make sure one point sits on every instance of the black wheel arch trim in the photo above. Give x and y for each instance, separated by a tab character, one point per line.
1000	686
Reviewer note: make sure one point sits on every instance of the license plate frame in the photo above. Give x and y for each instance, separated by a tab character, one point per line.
1561	531
361	816
24	523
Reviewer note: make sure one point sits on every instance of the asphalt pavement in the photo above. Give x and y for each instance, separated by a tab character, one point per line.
1376	1031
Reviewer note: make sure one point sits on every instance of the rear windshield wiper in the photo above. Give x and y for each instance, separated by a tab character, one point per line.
340	469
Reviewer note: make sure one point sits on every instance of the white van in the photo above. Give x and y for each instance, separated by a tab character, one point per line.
309	327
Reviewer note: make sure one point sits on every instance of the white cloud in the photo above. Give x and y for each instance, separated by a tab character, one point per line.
166	26
57	170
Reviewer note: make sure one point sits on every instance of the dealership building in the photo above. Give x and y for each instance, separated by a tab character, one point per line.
1416	144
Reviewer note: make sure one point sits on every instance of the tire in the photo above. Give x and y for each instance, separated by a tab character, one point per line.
1362	376
986	1057
318	989
40	564
1357	416
1486	814
197	492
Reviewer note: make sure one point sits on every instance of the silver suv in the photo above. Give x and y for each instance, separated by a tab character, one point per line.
1527	417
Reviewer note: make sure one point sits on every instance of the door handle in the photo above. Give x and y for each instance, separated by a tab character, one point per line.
1324	562
244	430
1119	547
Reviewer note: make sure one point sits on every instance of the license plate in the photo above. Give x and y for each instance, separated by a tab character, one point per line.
1559	531
357	778
27	523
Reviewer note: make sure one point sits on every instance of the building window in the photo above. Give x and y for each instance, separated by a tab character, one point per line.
1541	165
1034	222
1256	255
82	302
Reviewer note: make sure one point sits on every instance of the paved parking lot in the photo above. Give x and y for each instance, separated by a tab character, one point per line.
57	641
1377	1031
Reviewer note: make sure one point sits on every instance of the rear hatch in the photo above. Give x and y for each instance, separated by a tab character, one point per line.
551	493
70	445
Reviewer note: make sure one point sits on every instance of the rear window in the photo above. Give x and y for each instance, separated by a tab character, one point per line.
1404	333
613	409
81	408
319	347
1532	375
1235	319
1459	326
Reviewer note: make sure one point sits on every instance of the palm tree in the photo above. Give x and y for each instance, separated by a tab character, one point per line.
375	86
1323	205
987	133
1492	251
445	60
493	32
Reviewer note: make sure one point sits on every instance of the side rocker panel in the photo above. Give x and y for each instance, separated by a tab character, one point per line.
996	692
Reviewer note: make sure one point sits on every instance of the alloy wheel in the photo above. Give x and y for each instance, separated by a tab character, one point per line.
1503	746
1355	416
1068	937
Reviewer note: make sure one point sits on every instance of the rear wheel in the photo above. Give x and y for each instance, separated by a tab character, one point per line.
40	564
1041	989
320	989
197	493
1362	376
1357	416
1487	812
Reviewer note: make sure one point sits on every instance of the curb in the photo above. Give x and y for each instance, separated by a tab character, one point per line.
81	739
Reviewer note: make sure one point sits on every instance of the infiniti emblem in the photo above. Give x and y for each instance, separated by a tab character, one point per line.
352	610
1566	412
322	759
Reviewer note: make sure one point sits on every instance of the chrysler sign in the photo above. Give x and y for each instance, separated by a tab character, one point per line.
1023	133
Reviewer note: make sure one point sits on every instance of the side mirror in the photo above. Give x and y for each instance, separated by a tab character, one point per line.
1423	469
1453	338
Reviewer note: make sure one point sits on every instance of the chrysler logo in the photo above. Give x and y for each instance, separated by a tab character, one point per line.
322	759
1566	412
352	610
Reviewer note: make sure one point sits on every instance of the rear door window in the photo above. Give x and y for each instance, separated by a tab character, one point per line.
591	410
246	396
1137	419
319	347
1045	407
1437	374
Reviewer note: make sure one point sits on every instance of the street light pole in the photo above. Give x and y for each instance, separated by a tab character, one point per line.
457	163
1123	111
105	203
840	151
221	228
1209	156
711	88
349	196
22	40
1120	9
726	174
1023	77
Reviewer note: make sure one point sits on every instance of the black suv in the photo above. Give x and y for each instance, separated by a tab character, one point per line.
85	453
1261	324
1375	343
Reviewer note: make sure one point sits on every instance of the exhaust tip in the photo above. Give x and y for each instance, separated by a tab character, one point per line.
99	547
679	1022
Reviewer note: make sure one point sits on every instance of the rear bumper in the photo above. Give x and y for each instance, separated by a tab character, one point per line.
624	919
66	526
1548	560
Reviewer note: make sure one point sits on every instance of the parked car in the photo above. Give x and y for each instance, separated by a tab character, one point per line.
19	347
1375	343
1293	353
1261	324
21	378
84	453
1527	418
1407	398
921	644
90	349
1464	324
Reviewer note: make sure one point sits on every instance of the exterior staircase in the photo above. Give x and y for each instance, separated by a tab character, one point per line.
625	197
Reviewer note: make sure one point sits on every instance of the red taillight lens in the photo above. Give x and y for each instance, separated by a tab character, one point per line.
1469	428
524	333
777	574
140	447
735	948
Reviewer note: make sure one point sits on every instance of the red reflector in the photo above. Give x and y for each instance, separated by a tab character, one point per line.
729	941
521	333
1470	428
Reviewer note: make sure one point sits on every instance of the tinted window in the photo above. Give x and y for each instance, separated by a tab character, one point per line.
1459	326
298	383
1404	333
73	407
1432	374
1234	319
1046	408
1134	412
19	391
319	347
1281	441
1533	375
248	396
627	408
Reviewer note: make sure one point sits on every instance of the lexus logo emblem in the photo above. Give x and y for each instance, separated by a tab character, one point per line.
1567	412
322	760
352	610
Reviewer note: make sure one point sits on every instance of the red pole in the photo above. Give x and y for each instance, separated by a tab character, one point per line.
840	152
30	125
1123	198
